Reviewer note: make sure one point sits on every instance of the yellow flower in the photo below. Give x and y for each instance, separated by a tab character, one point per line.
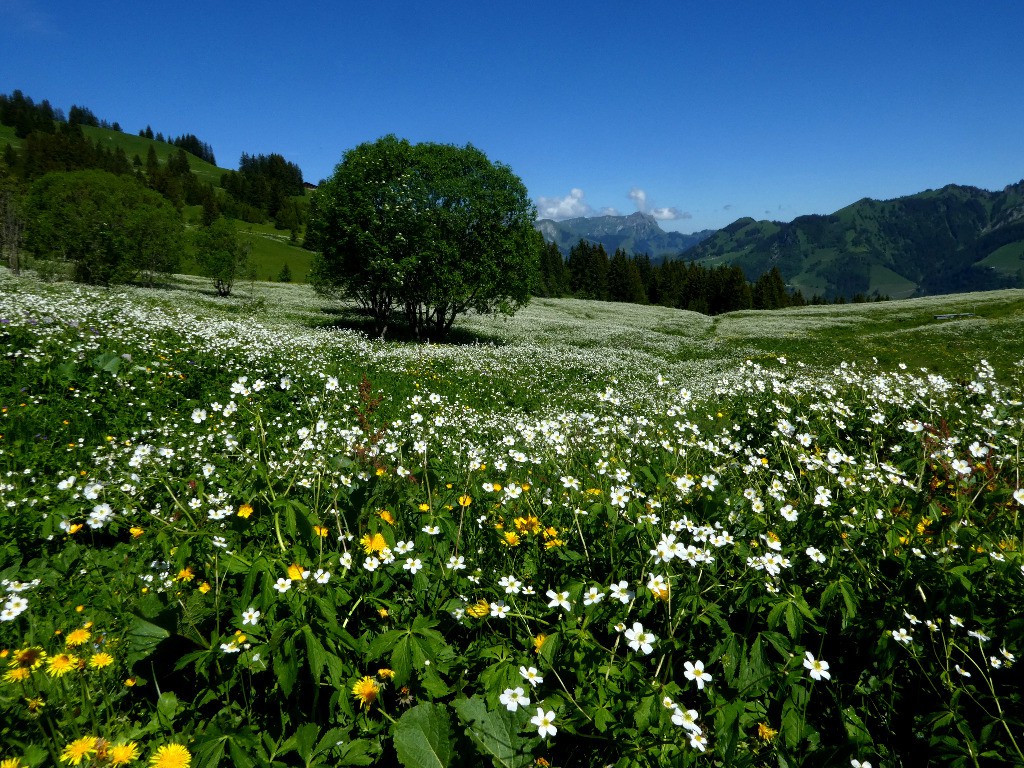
386	516
479	609
185	574
465	501
35	705
538	641
765	733
385	673
10	762
75	528
529	524
374	543
61	664
497	487
296	572
101	660
171	756
78	750
244	511
511	539
205	587
122	754
365	690
321	531
552	543
135	531
424	507
31	657
130	682
381	471
17	675
77	637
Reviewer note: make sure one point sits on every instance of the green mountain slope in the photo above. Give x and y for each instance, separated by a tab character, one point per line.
939	241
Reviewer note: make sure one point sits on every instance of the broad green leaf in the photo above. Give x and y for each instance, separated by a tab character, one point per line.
423	737
495	733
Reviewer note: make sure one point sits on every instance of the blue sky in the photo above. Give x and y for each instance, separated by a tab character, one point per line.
698	113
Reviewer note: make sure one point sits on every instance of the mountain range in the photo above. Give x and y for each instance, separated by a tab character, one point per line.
636	233
954	239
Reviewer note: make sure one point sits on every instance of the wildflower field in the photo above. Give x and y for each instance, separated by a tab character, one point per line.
239	532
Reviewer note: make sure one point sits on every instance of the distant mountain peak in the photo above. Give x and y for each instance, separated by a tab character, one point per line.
637	232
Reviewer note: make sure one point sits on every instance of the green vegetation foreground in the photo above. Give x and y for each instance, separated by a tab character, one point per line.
597	535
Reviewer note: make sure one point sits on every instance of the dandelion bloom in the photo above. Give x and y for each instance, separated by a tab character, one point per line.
365	690
31	657
374	543
101	660
123	753
244	511
79	750
17	675
77	637
296	572
171	756
61	664
386	516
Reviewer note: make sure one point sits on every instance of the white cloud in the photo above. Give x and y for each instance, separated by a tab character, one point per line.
669	214
639	197
569	207
608	211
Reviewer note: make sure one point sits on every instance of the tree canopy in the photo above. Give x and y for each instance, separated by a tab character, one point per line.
428	230
109	228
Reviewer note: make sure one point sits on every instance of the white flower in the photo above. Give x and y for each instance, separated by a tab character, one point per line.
559	600
413	564
531	676
456	563
283	585
545	722
621	592
499	610
321	576
198	415
815	555
432	530
901	636
332	383
687	718
1018	495
641	640
818	668
698	741
694	670
251	616
592	596
513	698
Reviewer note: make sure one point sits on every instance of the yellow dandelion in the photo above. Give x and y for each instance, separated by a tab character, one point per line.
765	733
424	507
386	516
525	486
35	705
296	572
77	637
382	612
244	511
135	531
31	657
497	487
528	524
205	587
61	664
101	660
373	543
123	753
185	574
10	762
479	609
538	642
550	532
465	501
78	750
552	543
17	675
170	756
381	471
365	690
511	539
321	531
385	673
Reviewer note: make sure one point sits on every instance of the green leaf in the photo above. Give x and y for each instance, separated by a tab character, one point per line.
495	733
143	638
423	737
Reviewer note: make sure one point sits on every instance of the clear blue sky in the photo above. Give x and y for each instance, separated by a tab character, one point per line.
699	113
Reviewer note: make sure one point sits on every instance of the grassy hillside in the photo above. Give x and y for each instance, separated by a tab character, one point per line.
938	241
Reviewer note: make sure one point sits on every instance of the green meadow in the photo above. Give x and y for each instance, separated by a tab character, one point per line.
244	532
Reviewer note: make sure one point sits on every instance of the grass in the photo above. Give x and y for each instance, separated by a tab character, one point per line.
244	532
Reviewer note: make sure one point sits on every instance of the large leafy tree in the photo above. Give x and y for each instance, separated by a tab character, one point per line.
109	228
430	231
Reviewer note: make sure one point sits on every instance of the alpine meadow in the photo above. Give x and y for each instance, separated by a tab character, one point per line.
239	533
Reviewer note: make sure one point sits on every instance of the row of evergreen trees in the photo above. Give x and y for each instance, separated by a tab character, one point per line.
589	273
264	187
